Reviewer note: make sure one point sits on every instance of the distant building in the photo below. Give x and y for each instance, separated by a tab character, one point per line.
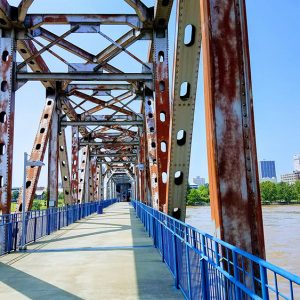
199	181
290	178
267	171
296	160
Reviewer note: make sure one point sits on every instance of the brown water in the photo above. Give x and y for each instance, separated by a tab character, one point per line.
282	232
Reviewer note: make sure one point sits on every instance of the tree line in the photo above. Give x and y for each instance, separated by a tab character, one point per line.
271	192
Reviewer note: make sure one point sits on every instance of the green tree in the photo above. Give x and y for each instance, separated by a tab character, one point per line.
37	204
193	197
285	192
15	195
296	187
268	191
197	196
204	193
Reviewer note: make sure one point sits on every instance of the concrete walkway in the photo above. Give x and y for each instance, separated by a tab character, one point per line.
105	256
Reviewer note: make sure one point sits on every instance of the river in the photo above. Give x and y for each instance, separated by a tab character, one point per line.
282	234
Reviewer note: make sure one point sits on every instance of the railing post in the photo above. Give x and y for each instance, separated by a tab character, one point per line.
236	275
187	256
34	229
204	270
48	221
162	243
176	275
264	282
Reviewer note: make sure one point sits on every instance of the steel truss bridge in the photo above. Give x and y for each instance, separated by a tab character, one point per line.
134	129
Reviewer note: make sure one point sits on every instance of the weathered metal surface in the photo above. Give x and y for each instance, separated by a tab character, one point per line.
64	167
74	163
84	76
82	173
186	65
23	8
151	133
33	21
7	115
162	110
38	152
93	180
233	171
53	149
140	8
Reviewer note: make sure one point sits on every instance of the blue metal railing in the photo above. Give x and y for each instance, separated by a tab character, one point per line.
42	222
205	267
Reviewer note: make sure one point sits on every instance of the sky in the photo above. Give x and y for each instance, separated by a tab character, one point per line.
275	61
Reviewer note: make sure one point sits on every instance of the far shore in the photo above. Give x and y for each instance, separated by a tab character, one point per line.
263	204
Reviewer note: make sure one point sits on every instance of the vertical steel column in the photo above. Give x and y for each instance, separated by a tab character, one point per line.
100	183
137	183
233	172
64	167
93	179
82	169
38	151
7	115
142	168
87	175
186	66
75	163
151	146
52	194
162	110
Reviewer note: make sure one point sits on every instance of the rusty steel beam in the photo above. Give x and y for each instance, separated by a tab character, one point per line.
186	66
84	76
7	115
38	152
113	50
83	174
162	111
151	132
93	180
64	167
98	87
101	103
74	163
233	171
5	14
162	12
33	21
140	8
23	8
52	188
66	45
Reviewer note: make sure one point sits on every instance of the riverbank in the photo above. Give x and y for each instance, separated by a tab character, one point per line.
264	203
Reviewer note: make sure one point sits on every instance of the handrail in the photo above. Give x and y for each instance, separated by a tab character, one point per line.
205	267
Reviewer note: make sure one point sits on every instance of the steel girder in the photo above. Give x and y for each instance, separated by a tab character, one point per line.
75	163
53	157
233	170
7	114
38	151
186	68
64	167
84	175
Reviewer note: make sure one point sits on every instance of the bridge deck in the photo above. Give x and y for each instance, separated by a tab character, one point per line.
105	256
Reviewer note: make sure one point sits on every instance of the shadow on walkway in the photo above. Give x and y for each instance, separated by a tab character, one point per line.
30	286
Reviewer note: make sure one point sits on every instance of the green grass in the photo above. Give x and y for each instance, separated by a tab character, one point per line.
38	204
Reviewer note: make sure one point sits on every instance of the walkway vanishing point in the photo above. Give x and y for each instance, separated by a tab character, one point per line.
105	256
